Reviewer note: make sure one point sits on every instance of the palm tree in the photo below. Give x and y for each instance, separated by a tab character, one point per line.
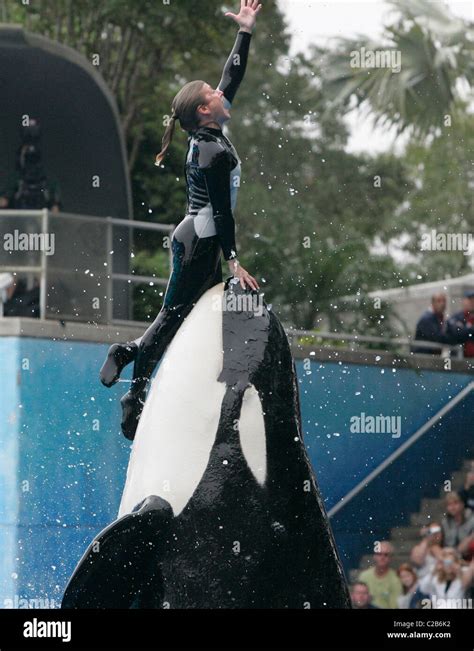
436	52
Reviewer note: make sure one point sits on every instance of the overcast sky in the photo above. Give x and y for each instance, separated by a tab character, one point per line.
316	21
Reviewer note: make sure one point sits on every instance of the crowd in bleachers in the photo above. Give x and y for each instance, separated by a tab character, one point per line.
440	573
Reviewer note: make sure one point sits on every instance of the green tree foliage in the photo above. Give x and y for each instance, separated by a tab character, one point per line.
308	212
436	57
442	199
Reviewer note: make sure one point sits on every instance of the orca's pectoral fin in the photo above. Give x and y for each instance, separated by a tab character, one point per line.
116	566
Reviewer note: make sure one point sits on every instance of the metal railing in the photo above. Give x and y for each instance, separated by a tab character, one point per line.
85	262
353	341
449	406
95	238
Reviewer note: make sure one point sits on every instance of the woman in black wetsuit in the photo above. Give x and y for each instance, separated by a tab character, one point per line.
212	172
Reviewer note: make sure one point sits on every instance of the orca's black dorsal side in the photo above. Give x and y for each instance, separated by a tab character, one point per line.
254	533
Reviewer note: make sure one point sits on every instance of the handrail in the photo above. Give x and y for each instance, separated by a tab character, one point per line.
126	223
44	215
356	338
399	451
135	278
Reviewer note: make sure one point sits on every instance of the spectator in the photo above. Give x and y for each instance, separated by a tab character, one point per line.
460	324
467	493
449	580
29	187
412	595
458	523
425	555
382	581
360	596
433	326
466	547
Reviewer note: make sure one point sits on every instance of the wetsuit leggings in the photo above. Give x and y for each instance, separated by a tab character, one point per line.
196	267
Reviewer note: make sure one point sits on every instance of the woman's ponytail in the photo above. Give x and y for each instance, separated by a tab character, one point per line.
166	140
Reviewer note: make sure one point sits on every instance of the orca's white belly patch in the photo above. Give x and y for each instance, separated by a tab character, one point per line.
252	434
178	425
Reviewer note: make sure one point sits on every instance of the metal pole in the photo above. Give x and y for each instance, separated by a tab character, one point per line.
110	282
43	283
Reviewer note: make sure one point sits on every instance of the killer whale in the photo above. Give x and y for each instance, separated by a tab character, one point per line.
221	508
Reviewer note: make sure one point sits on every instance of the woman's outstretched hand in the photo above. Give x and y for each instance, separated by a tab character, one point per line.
243	275
247	15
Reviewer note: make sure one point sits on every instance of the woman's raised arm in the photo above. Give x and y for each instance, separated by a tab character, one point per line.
236	64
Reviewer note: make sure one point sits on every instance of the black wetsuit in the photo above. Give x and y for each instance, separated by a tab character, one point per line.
212	172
